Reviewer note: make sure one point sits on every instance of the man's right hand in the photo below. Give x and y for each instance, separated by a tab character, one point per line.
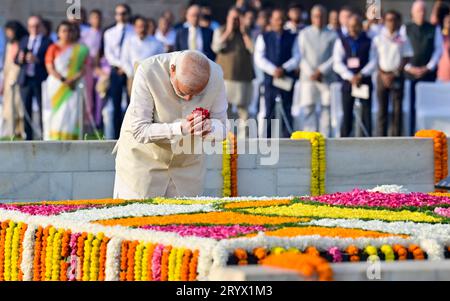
187	125
279	72
21	57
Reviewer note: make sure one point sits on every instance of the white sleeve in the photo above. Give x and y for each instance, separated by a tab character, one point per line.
109	50
217	44
260	59
294	62
126	59
141	110
437	53
338	65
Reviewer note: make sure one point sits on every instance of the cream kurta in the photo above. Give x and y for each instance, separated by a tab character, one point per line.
145	160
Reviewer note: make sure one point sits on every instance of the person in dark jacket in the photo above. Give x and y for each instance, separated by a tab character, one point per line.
193	37
354	60
31	59
426	41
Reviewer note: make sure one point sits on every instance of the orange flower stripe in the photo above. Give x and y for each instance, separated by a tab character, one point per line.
102	259
130	259
217	218
123	260
149	260
308	266
165	263
185	265
324	231
193	266
43	253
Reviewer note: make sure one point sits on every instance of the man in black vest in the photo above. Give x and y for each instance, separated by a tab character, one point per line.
426	41
277	54
354	60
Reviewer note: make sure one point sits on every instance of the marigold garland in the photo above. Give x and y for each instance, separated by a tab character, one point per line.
165	263
23	229
87	256
130	260
4	225
37	254
353	252
102	261
185	265
241	255
44	252
80	253
402	252
151	249
193	266
144	262
15	244
171	264
417	252
138	261
318	159
123	260
229	166
308	266
440	152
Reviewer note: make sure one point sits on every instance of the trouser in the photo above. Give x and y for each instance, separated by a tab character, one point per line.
31	88
312	94
348	102
383	95
270	94
429	77
118	83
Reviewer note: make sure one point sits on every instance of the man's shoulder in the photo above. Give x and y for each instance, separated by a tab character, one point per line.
156	60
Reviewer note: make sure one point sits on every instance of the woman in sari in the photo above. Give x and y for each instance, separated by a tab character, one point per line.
12	101
65	61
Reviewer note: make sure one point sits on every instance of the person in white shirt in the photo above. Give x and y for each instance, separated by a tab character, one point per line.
393	53
316	51
166	90
354	60
139	46
166	34
114	39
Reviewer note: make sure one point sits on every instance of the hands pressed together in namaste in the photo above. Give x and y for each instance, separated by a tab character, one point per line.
198	123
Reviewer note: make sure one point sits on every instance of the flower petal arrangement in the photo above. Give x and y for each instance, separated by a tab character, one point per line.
183	239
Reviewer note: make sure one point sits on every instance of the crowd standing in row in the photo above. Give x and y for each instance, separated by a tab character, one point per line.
263	52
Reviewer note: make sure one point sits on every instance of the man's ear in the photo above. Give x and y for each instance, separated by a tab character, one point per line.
172	69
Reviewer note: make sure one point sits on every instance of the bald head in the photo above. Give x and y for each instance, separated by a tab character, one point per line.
418	12
190	73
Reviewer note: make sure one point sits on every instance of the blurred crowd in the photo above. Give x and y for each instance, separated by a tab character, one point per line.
277	63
